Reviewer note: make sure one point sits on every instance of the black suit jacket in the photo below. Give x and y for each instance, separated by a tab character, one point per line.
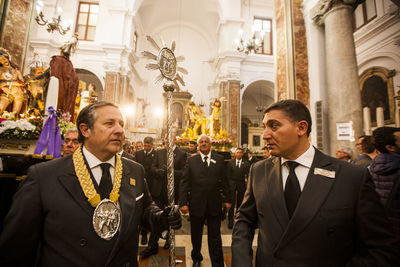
159	169
127	156
147	162
237	175
339	220
51	209
201	187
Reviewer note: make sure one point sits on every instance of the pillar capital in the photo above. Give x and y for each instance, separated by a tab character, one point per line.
319	11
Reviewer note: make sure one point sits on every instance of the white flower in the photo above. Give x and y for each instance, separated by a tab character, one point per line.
7	124
25	125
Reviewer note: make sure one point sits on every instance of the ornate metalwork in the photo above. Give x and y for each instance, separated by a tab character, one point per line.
167	65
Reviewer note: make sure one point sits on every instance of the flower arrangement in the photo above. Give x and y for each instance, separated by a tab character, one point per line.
64	122
30	128
20	129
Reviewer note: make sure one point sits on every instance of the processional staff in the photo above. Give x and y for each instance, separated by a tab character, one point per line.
166	62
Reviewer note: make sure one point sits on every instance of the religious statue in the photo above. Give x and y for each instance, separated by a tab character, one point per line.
36	82
70	47
215	118
198	121
68	82
12	87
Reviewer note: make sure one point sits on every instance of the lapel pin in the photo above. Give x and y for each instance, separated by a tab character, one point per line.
212	160
132	181
326	173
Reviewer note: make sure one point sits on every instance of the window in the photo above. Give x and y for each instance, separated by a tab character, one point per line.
87	20
264	26
364	13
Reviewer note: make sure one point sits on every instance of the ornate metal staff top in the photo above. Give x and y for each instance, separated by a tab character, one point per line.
167	64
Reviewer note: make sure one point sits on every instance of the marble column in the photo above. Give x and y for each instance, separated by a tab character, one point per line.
111	85
231	110
343	89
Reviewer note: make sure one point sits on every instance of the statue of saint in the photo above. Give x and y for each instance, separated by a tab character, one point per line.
215	118
197	120
12	87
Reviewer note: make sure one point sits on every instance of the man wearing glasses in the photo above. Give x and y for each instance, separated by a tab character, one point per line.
71	142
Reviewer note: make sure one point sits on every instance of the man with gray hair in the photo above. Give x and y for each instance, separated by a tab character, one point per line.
201	185
71	142
344	153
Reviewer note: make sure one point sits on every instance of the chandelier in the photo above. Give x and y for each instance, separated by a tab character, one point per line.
252	45
55	22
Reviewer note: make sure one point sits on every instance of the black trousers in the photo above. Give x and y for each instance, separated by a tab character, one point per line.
214	239
238	189
162	202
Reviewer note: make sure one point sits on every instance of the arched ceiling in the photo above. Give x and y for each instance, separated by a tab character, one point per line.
156	14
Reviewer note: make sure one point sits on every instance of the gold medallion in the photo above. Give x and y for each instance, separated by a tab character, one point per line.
106	219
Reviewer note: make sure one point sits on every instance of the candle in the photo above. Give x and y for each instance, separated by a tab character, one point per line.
367	120
379	117
52	94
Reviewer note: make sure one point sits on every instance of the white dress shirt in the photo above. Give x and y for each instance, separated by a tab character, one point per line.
94	165
305	160
208	159
238	163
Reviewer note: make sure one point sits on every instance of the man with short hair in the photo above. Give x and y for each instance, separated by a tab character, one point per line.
310	209
192	147
344	153
251	159
124	151
368	151
139	145
204	188
71	142
266	154
84	209
237	172
385	171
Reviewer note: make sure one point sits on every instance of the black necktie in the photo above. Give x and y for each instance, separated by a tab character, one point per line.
292	188
105	182
205	161
238	164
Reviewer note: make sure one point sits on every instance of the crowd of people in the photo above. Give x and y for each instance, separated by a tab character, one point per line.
310	209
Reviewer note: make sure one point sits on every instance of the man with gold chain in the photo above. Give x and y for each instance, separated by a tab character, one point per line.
84	209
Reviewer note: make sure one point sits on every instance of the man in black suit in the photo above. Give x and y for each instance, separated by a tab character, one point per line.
201	188
250	158
123	153
146	157
159	190
84	209
237	172
192	147
310	209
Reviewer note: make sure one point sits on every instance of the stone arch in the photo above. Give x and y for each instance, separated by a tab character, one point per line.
376	86
89	77
256	97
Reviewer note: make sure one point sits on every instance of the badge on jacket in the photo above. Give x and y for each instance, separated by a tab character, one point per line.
326	173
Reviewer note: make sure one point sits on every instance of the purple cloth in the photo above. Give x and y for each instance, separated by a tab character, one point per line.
50	136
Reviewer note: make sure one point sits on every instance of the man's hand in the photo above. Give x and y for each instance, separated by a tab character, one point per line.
185	209
172	217
227	205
